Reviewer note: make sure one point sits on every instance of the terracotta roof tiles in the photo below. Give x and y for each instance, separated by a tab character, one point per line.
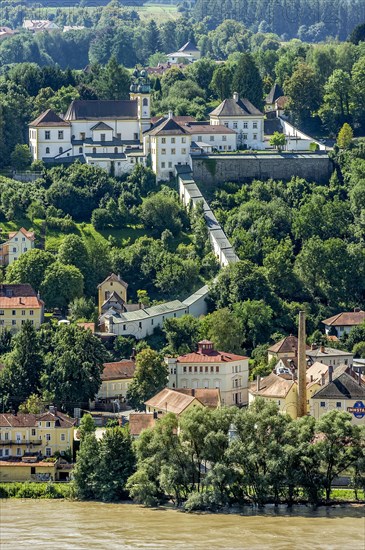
347	319
118	370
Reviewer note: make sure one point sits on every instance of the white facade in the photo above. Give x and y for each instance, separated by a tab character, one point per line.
18	243
210	371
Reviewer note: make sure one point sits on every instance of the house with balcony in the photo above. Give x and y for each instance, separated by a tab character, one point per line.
210	369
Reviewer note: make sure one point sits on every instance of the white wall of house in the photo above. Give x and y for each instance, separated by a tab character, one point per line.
49	141
222	142
167	152
297	140
249	129
230	377
17	245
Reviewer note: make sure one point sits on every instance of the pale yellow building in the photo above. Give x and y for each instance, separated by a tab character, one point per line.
112	287
27	470
172	401
36	434
342	390
282	391
19	303
116	378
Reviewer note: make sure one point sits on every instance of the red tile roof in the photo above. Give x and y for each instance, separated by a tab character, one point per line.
210	357
87	326
141	421
347	319
14	462
18	296
272	386
286	345
119	370
208	397
168	400
28	234
23	420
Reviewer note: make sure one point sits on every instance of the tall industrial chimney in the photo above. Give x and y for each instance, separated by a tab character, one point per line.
302	367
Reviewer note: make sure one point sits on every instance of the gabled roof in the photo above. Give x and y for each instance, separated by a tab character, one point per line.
286	345
141	421
346	318
316	370
189	46
116	278
118	370
239	108
208	397
275	92
94	109
343	386
101	126
168	400
168	127
272	386
206	128
49	118
324	351
28	234
22	420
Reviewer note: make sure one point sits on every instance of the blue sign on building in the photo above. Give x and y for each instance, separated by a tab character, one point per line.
358	410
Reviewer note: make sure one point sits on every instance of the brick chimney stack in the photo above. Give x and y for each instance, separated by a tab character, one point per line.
302	367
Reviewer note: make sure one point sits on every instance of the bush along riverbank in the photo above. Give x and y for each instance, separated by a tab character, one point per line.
32	489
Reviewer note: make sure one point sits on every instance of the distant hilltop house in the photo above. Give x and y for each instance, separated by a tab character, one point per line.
163	67
188	52
19	303
112	298
39	25
276	100
18	242
342	323
210	369
5	32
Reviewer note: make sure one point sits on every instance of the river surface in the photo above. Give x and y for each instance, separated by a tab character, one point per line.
64	525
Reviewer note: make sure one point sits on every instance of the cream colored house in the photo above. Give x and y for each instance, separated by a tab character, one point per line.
342	390
208	368
188	52
112	286
17	244
343	322
282	391
19	303
244	118
171	401
116	378
41	434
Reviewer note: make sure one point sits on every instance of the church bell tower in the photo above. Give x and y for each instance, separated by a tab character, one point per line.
140	90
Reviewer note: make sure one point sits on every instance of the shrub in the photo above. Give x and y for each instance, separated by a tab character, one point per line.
65	225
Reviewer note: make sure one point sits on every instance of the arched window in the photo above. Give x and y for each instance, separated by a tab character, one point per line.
94	150
47	150
145	102
80	149
60	150
115	149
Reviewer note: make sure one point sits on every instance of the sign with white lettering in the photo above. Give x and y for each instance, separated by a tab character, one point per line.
358	410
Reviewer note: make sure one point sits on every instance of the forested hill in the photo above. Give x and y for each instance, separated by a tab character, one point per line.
291	18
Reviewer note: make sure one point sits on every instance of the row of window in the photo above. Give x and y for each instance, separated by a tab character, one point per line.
15	249
13	311
201	369
13	322
174	140
6	452
16	239
18	437
47	134
173	151
245	125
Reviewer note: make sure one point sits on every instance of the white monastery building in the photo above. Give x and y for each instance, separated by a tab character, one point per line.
209	369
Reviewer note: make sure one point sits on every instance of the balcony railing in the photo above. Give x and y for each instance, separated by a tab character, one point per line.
20	442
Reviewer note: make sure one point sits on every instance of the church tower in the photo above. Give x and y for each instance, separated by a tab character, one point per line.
140	90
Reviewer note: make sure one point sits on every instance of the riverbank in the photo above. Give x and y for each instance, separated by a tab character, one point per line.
74	525
50	490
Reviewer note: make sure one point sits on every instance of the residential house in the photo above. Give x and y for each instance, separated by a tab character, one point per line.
19	303
141	421
329	356
18	242
343	322
287	348
112	291
116	378
342	390
280	389
275	93
188	52
36	434
208	368
25	468
171	401
242	117
39	25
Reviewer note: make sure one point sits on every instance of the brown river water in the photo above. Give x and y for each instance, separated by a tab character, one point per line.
64	525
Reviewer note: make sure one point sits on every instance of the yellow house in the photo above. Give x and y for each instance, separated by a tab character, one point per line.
36	434
116	378
171	401
112	285
19	303
342	390
282	391
19	242
24	470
